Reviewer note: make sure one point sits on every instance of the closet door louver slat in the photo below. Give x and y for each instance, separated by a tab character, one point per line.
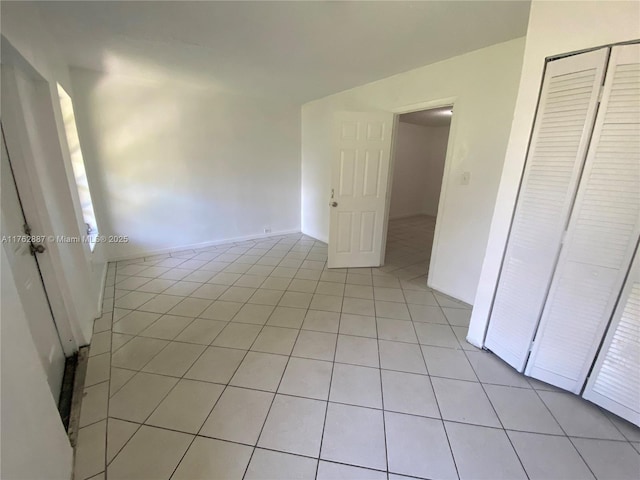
563	125
601	238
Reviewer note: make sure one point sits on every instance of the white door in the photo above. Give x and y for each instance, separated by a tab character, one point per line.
566	114
360	185
614	383
601	237
28	279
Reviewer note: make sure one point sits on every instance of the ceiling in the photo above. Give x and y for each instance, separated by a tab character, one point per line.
435	117
290	50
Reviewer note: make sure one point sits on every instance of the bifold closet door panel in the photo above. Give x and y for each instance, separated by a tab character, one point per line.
602	235
614	383
563	125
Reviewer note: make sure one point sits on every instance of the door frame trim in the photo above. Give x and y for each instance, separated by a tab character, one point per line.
26	175
448	161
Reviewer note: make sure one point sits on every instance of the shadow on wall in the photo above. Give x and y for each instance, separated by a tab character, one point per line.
175	163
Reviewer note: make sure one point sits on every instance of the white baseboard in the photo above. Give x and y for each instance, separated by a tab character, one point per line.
194	246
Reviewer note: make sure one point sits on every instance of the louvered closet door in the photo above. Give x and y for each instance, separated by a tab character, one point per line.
566	113
601	238
614	383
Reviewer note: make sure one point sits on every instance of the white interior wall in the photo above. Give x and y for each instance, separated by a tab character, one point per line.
554	28
417	169
484	84
179	165
34	442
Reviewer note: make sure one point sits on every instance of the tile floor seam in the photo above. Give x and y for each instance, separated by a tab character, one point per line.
435	396
274	393
326	409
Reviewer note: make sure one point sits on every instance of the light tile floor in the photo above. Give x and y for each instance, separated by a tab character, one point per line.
251	360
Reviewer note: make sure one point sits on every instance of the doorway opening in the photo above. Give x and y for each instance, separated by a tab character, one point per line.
420	150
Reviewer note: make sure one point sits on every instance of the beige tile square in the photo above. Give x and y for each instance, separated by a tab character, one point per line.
201	331
187	406
547	456
287	317
321	321
209	291
359	291
389	294
335	471
135	322
255	314
482	452
396	330
294	425
213	459
268	465
237	294
133	300
329	303
315	345
409	393
295	299
238	416
427	314
303	286
118	434
307	378
330	288
161	303
578	417
167	327
354	435
276	283
216	365
464	402
358	306
358	325
392	310
237	335
261	371
265	296
190	307
94	404
151	453
119	377
418	447
357	351
275	340
436	335
403	357
182	288
100	343
157	285
89	458
220	310
449	363
137	352
139	396
175	359
356	386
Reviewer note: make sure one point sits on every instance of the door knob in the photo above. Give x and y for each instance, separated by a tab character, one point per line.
37	248
333	204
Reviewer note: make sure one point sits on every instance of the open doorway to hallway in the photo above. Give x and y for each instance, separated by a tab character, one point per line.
418	167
